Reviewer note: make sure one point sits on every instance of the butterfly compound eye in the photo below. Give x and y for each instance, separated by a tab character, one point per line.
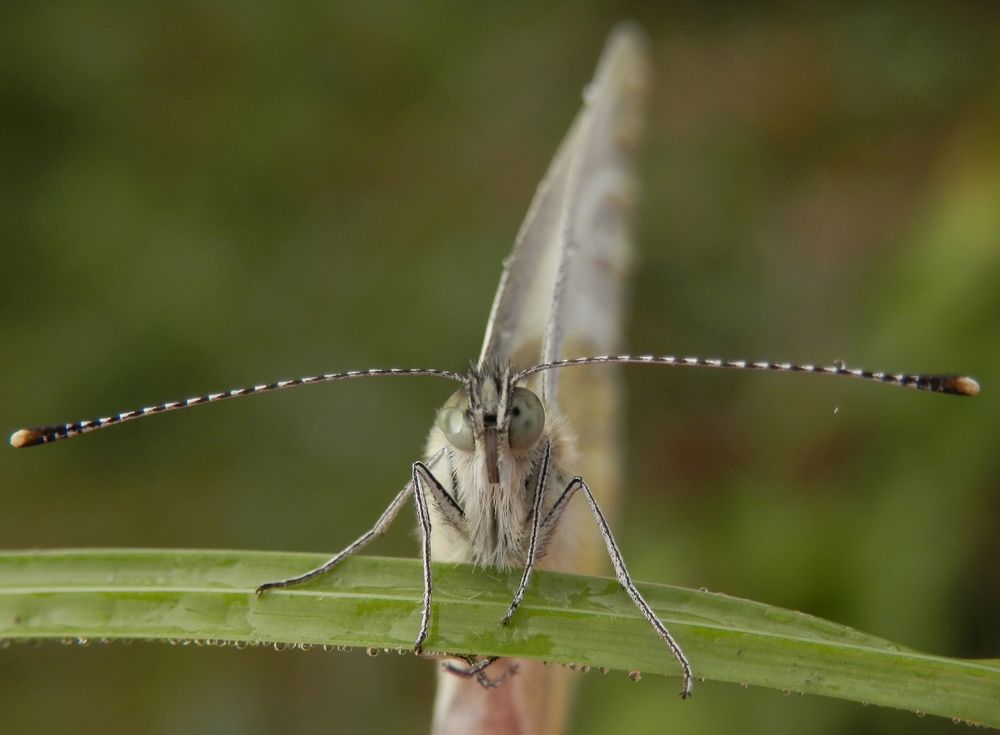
527	419
453	420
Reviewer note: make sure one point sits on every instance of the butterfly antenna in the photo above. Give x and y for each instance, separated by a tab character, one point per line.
953	384
48	434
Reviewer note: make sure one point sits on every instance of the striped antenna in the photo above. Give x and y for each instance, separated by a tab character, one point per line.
952	384
48	434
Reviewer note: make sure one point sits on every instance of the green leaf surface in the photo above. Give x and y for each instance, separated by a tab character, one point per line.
182	595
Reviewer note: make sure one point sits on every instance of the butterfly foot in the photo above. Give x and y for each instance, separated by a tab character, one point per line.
505	620
487	683
477	670
418	646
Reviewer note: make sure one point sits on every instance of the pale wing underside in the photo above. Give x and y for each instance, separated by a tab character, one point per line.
560	295
563	278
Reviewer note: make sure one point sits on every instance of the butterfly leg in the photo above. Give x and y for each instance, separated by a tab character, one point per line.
380	527
421	474
536	522
477	670
621	572
450	511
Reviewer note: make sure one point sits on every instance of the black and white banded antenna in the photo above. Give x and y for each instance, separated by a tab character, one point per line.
957	385
47	434
950	384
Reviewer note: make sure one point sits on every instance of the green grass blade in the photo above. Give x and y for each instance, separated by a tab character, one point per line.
375	602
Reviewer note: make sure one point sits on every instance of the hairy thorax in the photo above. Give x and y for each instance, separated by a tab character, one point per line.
495	528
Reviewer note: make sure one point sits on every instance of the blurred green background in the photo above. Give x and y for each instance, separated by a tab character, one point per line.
201	196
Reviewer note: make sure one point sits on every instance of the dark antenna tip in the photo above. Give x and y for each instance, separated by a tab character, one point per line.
26	438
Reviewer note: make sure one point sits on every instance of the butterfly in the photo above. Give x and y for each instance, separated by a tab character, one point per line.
499	474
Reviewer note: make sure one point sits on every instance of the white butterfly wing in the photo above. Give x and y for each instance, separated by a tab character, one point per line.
564	277
561	295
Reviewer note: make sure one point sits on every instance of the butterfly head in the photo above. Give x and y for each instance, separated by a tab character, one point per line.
492	415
